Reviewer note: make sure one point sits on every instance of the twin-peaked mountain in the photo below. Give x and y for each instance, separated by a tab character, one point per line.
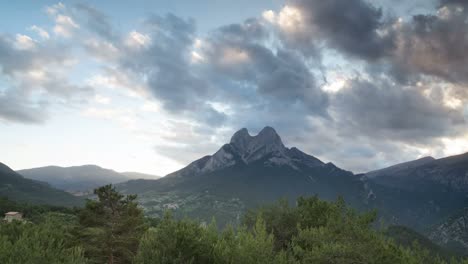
248	171
253	170
245	149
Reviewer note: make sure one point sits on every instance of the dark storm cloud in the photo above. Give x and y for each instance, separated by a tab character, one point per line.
379	109
350	26
250	31
433	45
291	80
456	2
166	63
239	54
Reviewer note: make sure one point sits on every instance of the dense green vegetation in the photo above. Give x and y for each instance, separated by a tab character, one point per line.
409	238
32	212
112	229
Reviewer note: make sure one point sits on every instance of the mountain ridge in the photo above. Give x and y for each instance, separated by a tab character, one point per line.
17	188
82	178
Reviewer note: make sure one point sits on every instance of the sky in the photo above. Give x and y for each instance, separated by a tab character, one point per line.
150	86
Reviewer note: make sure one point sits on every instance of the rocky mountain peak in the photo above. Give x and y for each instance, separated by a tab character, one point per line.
266	139
241	139
246	149
268	136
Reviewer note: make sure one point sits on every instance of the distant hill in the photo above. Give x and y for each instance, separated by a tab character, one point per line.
17	188
249	171
138	175
78	178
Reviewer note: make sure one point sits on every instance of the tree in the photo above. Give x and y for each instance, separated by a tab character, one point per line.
177	241
111	227
246	246
46	242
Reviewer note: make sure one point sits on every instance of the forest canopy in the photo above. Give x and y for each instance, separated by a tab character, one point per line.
113	229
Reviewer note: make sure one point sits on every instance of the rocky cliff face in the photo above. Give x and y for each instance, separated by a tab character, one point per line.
246	149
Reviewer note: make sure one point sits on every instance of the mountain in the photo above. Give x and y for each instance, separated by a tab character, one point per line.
453	232
138	175
400	168
420	193
75	179
450	173
17	188
248	171
426	195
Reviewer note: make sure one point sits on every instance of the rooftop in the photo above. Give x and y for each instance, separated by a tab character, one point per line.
12	213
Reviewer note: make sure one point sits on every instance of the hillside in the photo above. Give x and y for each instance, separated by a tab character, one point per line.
427	195
453	232
76	179
449	173
420	193
17	188
139	175
407	237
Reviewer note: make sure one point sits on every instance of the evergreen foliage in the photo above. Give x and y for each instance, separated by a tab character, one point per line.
112	229
46	242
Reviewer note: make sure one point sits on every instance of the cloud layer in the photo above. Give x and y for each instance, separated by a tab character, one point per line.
399	83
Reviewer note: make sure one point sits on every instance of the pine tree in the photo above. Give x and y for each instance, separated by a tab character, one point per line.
111	227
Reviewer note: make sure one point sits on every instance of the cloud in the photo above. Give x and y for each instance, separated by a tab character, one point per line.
453	2
239	56
34	77
433	45
271	69
65	25
344	79
137	40
40	31
379	109
24	42
94	20
350	26
13	108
